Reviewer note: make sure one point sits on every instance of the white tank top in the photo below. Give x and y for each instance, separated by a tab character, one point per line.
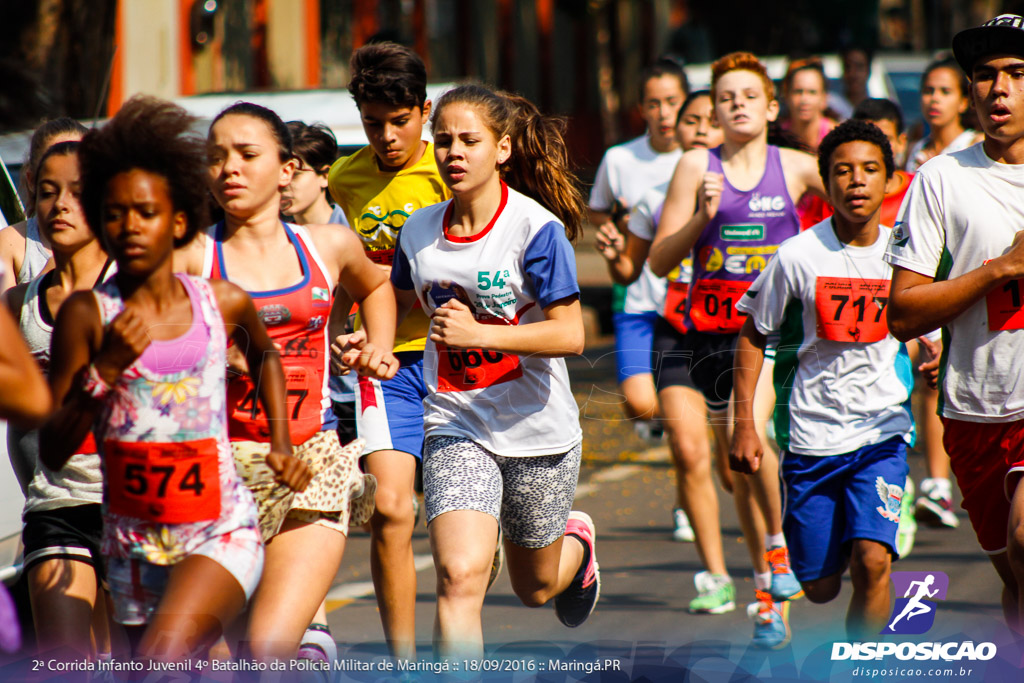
36	255
80	481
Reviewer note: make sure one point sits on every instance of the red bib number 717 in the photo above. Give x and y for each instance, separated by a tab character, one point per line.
851	310
167	483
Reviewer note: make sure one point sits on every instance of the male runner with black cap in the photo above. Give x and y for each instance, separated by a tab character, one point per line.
958	258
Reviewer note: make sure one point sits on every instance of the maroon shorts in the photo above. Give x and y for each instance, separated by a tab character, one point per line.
988	461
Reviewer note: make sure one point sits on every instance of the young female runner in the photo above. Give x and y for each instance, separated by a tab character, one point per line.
683	411
626	172
496	273
305	201
944	101
805	91
22	250
141	360
63	521
291	272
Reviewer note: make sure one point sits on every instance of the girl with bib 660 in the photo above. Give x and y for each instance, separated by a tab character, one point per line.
494	270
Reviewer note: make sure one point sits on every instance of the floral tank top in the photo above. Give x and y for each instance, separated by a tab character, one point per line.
169	481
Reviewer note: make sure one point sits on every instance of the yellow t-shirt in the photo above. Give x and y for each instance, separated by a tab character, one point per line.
377	203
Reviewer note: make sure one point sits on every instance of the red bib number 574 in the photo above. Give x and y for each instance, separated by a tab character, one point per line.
167	483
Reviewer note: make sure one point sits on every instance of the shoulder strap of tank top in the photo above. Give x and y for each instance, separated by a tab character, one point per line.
104	271
774	165
211	250
312	255
715	160
28	306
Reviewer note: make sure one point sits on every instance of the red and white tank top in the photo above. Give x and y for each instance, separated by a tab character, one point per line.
296	319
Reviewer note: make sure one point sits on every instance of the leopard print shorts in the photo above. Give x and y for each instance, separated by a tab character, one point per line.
339	495
529	496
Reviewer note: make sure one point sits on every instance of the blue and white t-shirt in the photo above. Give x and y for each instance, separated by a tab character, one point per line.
506	274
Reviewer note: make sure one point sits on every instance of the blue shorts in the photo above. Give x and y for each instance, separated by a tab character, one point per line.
389	414
827	501
634	343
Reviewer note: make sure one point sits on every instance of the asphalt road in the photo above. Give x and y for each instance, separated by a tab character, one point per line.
641	629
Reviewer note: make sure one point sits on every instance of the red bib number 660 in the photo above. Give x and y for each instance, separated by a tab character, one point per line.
167	483
467	369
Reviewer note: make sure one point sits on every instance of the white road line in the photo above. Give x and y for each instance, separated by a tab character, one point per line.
360	589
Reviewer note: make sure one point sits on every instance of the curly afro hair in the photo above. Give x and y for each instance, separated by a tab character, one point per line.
852	130
155	136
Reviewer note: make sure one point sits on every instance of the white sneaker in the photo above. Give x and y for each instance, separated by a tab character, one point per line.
682	531
650	431
935	504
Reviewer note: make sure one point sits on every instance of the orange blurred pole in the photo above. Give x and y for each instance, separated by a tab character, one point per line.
312	43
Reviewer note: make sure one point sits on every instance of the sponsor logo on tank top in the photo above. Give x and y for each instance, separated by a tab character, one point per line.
710	258
753	232
746	260
274	314
321	297
766	206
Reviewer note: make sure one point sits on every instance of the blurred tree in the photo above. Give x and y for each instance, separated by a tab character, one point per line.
55	59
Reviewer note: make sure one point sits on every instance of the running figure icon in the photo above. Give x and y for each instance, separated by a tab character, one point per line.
914	606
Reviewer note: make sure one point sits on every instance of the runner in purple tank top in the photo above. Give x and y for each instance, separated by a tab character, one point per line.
730	208
736	244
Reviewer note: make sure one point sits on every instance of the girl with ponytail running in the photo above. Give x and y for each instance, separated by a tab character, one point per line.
495	271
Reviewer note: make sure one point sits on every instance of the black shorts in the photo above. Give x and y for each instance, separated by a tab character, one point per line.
71	533
346	414
698	360
711	357
671	362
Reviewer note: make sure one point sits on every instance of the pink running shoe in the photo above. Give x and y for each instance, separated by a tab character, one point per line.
574	605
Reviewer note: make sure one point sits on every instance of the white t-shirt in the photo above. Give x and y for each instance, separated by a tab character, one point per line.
842	381
627	171
643	222
962	210
961	142
520	263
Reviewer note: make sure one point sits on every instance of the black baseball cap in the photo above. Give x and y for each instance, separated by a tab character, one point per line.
1002	35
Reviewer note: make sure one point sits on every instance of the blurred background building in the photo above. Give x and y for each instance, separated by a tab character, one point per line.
580	58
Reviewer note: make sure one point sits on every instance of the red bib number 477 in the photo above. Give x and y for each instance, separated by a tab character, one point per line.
167	483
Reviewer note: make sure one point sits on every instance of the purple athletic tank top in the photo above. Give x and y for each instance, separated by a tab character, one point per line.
736	245
181	353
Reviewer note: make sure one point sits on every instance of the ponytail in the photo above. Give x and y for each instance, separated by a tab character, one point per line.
539	164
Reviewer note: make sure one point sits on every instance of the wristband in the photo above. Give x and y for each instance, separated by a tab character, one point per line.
94	385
